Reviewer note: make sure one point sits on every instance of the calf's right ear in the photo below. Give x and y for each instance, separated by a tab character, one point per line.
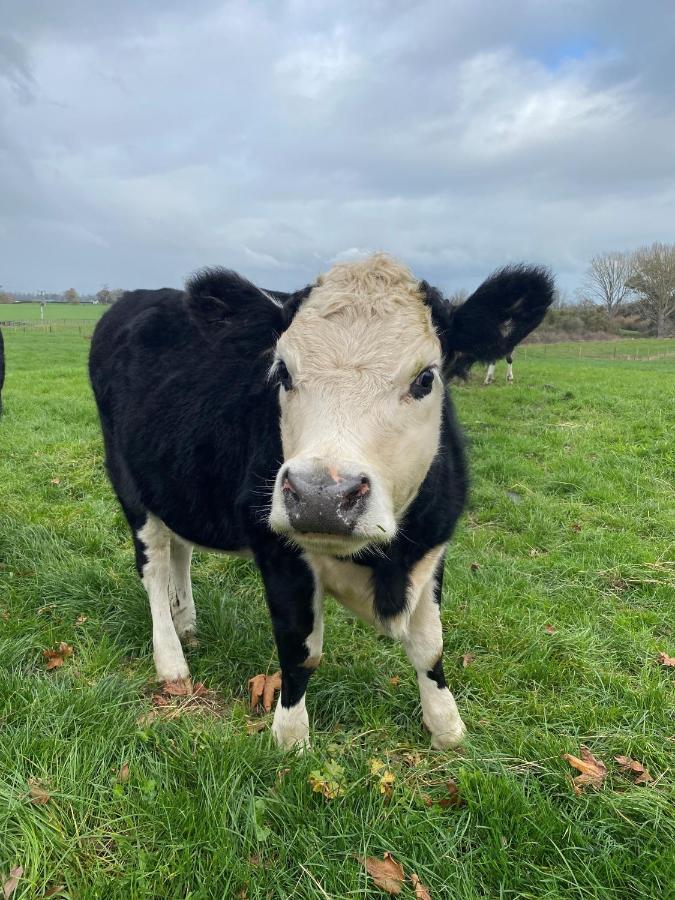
493	320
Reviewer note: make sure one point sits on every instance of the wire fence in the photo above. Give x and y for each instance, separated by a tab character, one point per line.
623	349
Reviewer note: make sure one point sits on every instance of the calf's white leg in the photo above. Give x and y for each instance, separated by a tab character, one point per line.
423	642
490	375
180	591
155	538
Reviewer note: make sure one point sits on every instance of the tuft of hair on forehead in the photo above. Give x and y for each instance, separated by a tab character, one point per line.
376	285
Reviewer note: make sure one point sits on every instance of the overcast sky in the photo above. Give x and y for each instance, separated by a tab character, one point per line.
140	140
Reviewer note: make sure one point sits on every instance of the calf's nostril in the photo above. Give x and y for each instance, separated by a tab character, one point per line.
352	496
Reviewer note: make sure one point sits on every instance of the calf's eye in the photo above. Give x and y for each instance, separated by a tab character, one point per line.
284	376
423	384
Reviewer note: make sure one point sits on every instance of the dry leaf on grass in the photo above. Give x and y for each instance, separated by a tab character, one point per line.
386	873
80	620
263	688
56	658
37	792
328	781
55	889
632	766
454	798
421	893
575	526
123	774
475	566
549	629
9	886
467	659
254	726
665	660
55	481
395	680
593	771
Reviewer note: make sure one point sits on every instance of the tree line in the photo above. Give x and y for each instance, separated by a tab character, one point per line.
646	277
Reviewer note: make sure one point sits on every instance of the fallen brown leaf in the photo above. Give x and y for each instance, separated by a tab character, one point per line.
37	792
395	680
123	774
421	893
412	758
55	481
56	658
253	726
576	527
593	771
475	567
629	765
52	891
454	798
386	873
549	629
665	660
9	886
467	659
387	780
80	620
263	688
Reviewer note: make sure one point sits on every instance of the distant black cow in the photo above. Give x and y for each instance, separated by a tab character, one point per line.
2	368
490	374
312	430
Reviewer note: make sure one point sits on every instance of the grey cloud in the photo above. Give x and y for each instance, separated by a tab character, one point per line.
277	137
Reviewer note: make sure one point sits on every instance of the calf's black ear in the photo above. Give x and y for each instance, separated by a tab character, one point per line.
493	320
217	297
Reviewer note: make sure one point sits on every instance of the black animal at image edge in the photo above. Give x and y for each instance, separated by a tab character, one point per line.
190	422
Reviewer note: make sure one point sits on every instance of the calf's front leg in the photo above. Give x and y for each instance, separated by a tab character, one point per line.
423	642
294	598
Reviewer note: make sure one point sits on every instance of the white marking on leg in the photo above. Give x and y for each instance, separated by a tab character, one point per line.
291	725
424	646
509	372
314	640
489	378
168	653
180	590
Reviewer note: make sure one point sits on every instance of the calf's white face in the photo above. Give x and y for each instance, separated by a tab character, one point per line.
361	398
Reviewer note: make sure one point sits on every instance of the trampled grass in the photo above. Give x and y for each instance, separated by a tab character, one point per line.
571	525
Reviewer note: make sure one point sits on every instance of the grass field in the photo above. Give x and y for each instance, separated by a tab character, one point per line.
560	583
54	312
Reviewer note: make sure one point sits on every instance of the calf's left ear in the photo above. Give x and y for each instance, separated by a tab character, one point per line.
494	319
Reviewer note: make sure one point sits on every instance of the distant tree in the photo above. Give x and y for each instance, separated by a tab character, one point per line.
653	280
104	296
116	294
5	297
606	280
71	296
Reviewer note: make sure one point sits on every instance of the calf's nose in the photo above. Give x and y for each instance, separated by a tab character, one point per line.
324	502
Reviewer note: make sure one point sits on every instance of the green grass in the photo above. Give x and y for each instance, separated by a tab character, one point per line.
571	524
54	312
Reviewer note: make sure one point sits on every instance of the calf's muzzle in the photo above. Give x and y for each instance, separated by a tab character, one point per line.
324	502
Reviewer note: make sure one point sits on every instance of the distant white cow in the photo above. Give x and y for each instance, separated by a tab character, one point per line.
490	375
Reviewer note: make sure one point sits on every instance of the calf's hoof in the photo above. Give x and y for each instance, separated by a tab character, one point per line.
291	727
448	739
172	667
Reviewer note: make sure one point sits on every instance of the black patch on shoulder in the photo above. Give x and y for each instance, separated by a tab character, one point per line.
437	674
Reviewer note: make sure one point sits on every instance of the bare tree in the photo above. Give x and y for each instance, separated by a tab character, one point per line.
104	296
606	280
71	296
653	280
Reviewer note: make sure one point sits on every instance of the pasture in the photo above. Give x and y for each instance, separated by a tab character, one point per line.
559	596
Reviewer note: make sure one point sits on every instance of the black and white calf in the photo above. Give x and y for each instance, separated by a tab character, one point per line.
490	374
313	430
